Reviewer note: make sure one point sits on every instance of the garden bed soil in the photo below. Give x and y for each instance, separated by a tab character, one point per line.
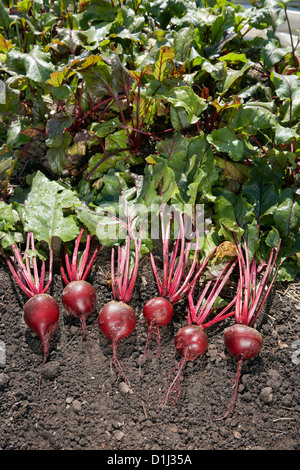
83	405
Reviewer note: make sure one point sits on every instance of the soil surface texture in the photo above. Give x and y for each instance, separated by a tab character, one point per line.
84	404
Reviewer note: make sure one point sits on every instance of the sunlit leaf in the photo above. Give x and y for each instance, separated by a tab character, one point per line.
225	140
35	64
45	210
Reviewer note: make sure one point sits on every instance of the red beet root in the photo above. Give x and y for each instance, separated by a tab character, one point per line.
190	343
178	273
116	321
243	342
256	279
41	314
158	312
79	298
41	311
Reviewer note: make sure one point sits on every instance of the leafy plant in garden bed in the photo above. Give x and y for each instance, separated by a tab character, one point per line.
163	103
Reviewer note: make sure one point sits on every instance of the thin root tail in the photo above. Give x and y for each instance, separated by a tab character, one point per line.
173	385
45	346
237	378
86	334
117	364
146	354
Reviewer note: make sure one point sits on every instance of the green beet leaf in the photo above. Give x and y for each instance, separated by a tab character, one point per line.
262	188
49	210
288	90
226	141
36	64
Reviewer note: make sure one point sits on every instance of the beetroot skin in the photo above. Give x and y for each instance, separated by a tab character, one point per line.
41	314
79	298
242	341
116	320
190	342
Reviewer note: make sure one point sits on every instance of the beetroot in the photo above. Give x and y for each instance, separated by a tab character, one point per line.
117	318
158	312
190	343
79	296
116	321
177	275
242	341
79	299
191	340
41	314
41	311
254	285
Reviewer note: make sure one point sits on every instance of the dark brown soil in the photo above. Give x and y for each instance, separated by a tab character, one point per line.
83	405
